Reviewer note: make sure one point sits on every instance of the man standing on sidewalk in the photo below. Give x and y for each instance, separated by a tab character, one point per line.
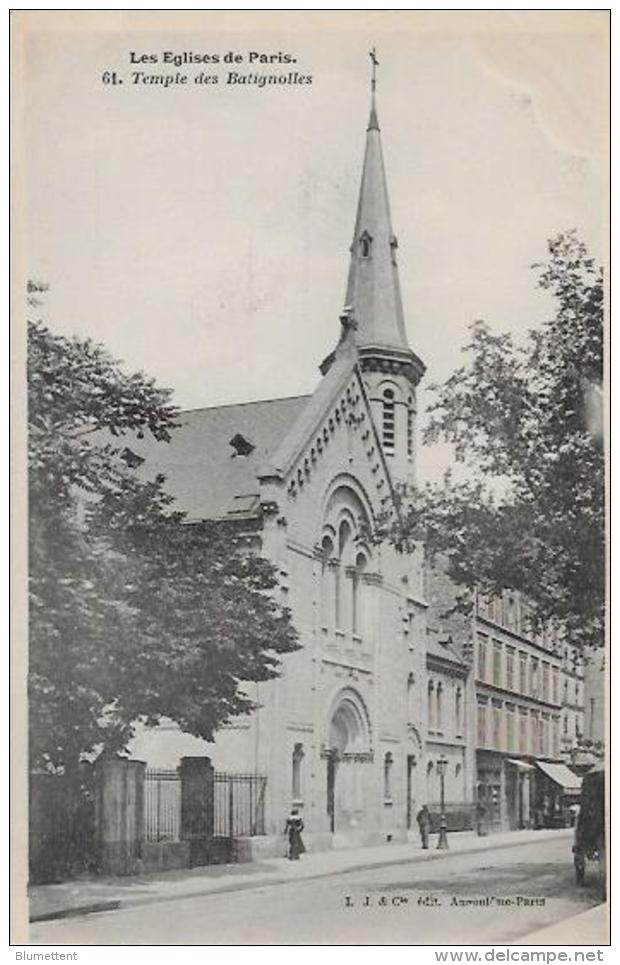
424	823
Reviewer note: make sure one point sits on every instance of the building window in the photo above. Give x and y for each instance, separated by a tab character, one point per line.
523	742
458	712
387	776
431	705
327	550
497	663
555	685
482	725
534	677
510	612
482	656
357	594
510	729
497	727
411	697
545	681
389	415
410	428
522	673
510	660
344	536
439	719
298	756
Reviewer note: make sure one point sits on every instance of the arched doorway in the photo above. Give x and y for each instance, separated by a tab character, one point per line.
348	752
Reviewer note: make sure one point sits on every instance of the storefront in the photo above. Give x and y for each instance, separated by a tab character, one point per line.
556	790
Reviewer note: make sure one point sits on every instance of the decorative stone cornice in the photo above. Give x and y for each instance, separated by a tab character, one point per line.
392	362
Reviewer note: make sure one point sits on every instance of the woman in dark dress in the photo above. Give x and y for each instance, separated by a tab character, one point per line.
294	827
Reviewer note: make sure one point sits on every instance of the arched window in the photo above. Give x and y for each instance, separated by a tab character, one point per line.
388	427
411	698
458	712
365	242
327	552
357	591
439	720
344	536
388	761
298	756
431	705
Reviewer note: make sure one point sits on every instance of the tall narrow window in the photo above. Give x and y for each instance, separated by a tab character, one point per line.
523	742
411	698
298	756
344	534
482	725
439	722
510	658
388	431
357	591
327	550
510	728
410	428
482	656
431	705
458	712
388	761
365	242
497	663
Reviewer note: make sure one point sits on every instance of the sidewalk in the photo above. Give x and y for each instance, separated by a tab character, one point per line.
591	927
106	894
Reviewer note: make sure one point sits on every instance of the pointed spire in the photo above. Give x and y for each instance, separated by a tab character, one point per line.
373	290
373	122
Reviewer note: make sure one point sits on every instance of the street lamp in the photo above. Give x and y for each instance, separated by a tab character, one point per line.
442	843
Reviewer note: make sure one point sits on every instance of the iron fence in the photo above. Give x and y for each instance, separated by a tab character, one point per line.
239	804
162	804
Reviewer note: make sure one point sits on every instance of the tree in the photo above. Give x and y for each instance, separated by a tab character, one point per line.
525	421
134	613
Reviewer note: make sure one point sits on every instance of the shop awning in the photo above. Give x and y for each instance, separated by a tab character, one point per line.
562	775
522	765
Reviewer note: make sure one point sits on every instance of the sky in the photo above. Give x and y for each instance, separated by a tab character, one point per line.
201	232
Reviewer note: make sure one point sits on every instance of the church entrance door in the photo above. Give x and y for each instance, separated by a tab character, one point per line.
347	761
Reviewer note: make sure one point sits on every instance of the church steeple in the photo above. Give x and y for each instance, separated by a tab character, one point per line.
373	324
373	296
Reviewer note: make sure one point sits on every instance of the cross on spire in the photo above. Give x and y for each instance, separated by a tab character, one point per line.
375	64
373	123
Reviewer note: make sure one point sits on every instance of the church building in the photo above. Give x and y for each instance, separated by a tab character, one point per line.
342	734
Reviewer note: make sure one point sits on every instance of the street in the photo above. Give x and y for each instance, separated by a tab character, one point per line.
498	896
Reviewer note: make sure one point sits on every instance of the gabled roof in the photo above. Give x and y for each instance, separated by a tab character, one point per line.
204	472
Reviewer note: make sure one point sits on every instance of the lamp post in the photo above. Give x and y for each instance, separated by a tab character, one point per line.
442	843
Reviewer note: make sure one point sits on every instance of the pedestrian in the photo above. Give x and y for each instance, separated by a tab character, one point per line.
424	823
481	818
294	826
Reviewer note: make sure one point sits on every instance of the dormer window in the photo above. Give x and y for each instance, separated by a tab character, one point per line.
241	445
365	243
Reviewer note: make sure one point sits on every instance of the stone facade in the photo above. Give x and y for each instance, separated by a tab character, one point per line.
341	734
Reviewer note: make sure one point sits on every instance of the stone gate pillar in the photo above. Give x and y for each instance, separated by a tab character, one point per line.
119	815
197	807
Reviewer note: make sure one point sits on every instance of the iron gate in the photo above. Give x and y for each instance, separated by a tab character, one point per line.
162	804
239	804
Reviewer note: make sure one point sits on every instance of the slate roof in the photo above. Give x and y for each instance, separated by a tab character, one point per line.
208	479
